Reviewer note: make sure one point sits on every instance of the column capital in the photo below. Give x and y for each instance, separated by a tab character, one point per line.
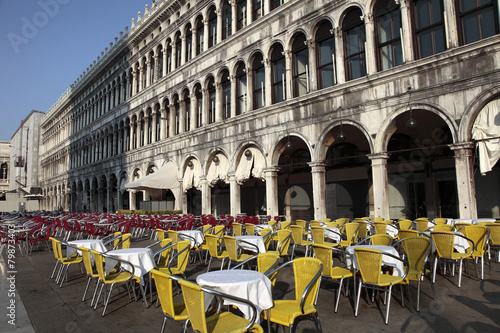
378	156
463	149
271	171
319	167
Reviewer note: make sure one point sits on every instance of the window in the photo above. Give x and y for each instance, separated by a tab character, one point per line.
178	50
325	46
3	171
241	90
168	119
199	105
187	107
258	9
354	44
242	14
300	66
278	68
259	100
176	114
388	23
200	29
276	3
226	97
211	105
428	22
212	26
477	19
189	43
226	20
141	132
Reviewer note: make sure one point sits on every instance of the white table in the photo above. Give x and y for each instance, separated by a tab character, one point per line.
91	244
256	240
251	285
462	221
332	233
386	260
194	236
459	243
141	258
476	221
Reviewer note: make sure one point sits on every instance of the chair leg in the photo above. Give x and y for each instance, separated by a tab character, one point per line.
317	322
86	288
107	300
95	292
409	296
357	299
163	324
338	294
388	305
460	274
434	270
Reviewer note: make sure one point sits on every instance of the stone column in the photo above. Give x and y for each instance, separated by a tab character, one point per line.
109	197
318	172
146	130
464	166
134	83
312	66
406	36
206	196
268	92
182	116
183	49
206	35
131	199
219	26
206	106
153	127
194	42
231	111
165	59
272	190
249	12
288	76
163	125
370	48
451	24
172	120
218	102
194	112
380	185
235	194
234	19
250	85
174	56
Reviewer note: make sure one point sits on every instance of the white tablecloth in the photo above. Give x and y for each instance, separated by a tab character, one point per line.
196	234
476	221
459	243
251	285
462	221
91	244
256	240
141	258
332	233
386	260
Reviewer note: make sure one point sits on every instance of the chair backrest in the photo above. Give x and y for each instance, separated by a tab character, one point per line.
267	239
494	229
422	225
324	254
440	220
403	233
237	229
332	224
443	227
231	247
250	228
285	224
301	223
117	240
318	235
212	244
172	234
314	223
416	249
363	228
182	255
479	235
326	220
267	262
126	238
284	237
307	272
404	224
460	225
164	289
422	219
165	254
273	224
219	230
351	231
161	234
443	241
87	261
378	219
381	239
55	247
380	228
194	299
297	234
369	264
99	264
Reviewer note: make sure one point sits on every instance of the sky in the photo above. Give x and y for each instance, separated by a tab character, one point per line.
46	44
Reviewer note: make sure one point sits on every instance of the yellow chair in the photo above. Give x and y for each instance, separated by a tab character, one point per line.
285	224
421	225
404	224
178	262
116	238
314	223
250	228
403	233
318	235
351	234
459	225
298	239
301	223
219	230
307	272
118	276
325	255
160	233
65	261
266	264
479	236
171	309
332	224
377	239
206	229
273	224
163	253
326	220
444	243
267	236
370	266
232	251
380	228
237	229
213	250
172	234
416	249
494	243
91	272
378	219
363	229
443	227
124	242
194	298
440	220
284	237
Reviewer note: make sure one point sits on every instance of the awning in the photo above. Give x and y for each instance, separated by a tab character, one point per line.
486	131
218	170
192	176
252	165
163	179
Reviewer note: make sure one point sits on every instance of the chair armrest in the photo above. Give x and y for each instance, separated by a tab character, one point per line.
473	247
308	287
111	239
248	243
405	263
122	261
175	257
190	238
122	241
244	262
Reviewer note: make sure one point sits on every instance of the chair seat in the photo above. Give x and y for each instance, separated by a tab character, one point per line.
339	272
117	277
284	312
386	280
180	311
230	323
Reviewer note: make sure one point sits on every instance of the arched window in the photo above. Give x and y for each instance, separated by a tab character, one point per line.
477	19
242	14
258	76
226	95
428	21
212	26
200	30
211	96
354	44
160	62
189	43
187	108
169	57
158	121
168	119
258	9
176	113
325	51
241	90
227	18
178	50
388	30
199	105
152	68
278	67
300	60
150	127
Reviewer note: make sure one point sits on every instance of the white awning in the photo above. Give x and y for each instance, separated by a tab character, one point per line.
218	170
487	131
192	176
251	165
163	179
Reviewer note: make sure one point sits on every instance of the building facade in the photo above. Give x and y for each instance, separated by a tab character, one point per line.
308	109
4	168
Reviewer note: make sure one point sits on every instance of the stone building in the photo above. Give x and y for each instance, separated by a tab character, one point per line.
308	109
4	168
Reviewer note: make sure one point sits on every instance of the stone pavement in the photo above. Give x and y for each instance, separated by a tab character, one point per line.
41	306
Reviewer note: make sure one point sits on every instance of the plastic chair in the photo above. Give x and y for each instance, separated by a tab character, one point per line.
404	233
443	227
444	243
494	243
380	228
459	225
232	251
172	234
298	239
314	223
194	299
237	229
416	249
125	242
250	228
325	255
404	224
421	225
370	266
65	261
267	236
219	230
91	272
285	225
306	272
171	309
377	239
363	228
178	262
318	235
160	234
479	235
284	237
440	220
213	250
351	234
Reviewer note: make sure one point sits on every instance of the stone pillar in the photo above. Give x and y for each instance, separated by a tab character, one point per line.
153	127
234	19
235	194
218	102
232	109
219	26
318	172
380	185
194	112
250	85
464	166
146	130
134	83
172	120
109	197
206	35
183	49
451	24
165	59
406	36
249	12
131	199
313	66
288	76
206	196
194	43
370	47
206	106
272	190
182	116
174	56
163	125
268	95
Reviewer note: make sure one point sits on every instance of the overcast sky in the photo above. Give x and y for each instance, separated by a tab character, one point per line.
46	45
